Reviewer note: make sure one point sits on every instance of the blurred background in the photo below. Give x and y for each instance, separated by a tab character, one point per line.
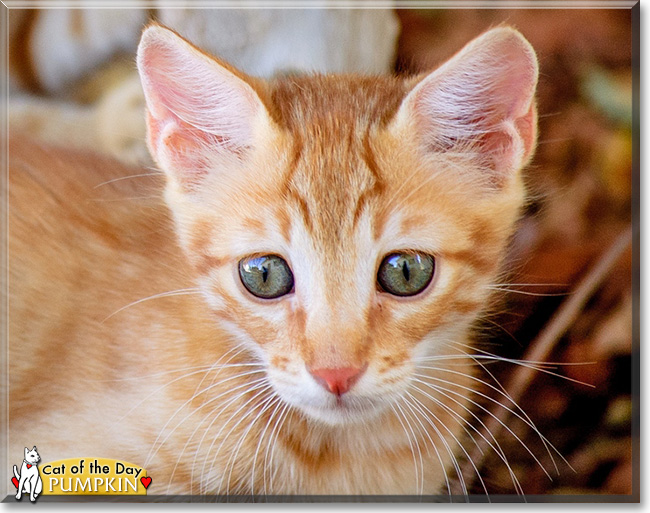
574	283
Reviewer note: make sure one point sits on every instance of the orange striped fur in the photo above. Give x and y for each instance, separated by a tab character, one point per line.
209	389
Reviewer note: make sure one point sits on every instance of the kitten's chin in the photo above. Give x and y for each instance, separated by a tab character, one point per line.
343	411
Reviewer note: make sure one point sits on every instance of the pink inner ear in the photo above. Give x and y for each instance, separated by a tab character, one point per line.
197	109
508	148
526	126
183	148
482	103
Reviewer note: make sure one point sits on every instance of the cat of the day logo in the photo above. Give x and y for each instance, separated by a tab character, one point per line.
28	479
78	476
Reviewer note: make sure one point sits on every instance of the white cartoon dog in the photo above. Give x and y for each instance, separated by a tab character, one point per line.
29	479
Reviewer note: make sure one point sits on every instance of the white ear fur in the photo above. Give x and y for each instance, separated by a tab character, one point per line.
480	103
197	109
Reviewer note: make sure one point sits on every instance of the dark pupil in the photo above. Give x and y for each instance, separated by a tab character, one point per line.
406	274
267	276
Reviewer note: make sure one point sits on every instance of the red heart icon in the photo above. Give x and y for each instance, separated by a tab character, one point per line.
146	481
14	481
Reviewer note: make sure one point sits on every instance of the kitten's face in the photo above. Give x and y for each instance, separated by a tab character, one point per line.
334	236
32	456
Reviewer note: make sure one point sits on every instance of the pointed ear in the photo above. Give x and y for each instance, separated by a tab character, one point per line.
200	113
26	452
480	105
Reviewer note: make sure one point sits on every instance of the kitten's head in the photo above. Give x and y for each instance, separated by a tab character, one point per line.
32	457
343	228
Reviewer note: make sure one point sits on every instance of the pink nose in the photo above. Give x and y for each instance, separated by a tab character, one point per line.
337	381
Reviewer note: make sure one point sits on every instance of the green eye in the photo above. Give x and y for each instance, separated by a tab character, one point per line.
267	276
405	274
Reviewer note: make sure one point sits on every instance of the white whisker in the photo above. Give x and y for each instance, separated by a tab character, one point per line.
261	387
543	439
275	434
412	443
187	402
268	403
488	412
149	376
209	413
421	429
269	422
427	414
496	448
233	457
501	288
248	387
179	292
127	177
162	387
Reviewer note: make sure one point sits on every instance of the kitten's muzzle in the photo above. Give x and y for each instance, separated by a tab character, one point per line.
338	381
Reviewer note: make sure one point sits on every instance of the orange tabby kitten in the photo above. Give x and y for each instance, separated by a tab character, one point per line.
337	237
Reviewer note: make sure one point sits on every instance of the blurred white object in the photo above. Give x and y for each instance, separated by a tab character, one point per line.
115	125
264	42
68	44
64	45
